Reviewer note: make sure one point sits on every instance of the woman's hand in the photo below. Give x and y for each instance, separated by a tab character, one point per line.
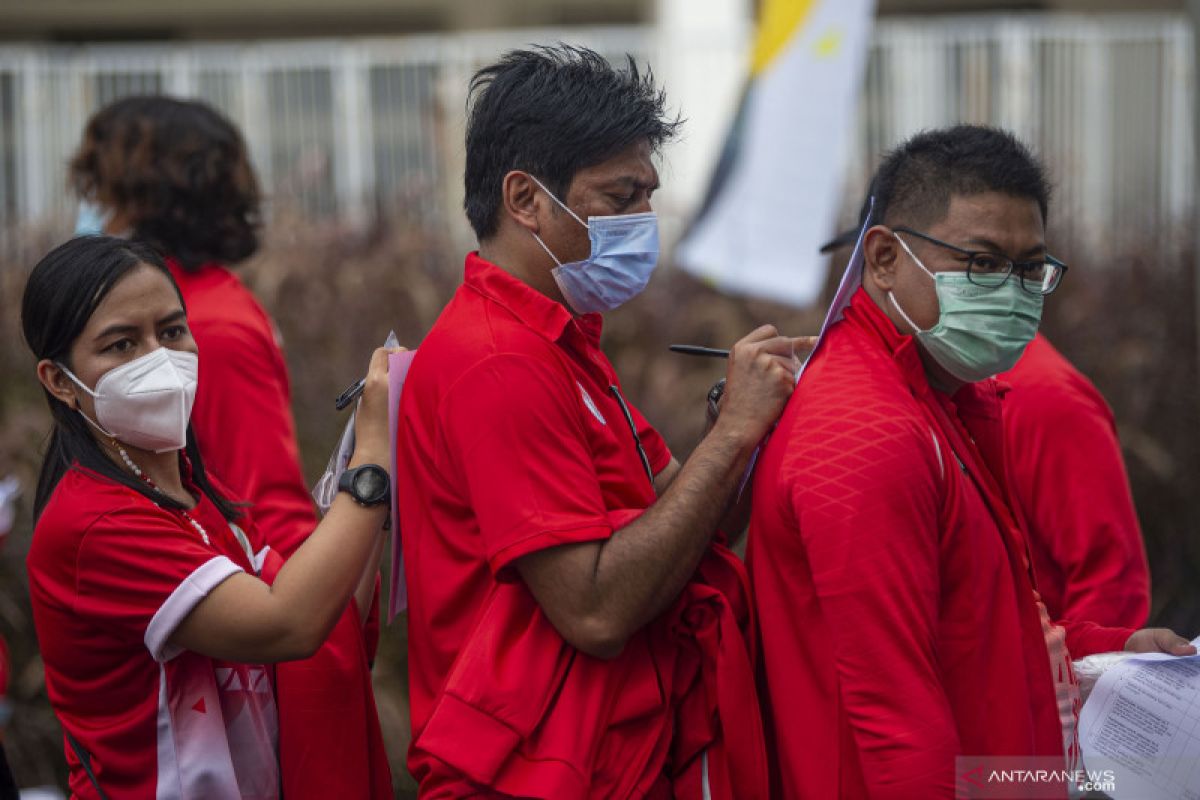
371	445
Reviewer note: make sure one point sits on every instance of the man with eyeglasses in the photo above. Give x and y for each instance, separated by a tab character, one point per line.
1084	537
900	620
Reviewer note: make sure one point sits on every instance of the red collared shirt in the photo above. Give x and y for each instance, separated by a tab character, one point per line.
511	440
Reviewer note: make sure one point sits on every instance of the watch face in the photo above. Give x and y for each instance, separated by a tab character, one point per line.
370	484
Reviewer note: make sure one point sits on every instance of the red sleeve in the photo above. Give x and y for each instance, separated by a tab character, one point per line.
510	426
243	423
1069	476
1088	638
141	572
652	442
865	497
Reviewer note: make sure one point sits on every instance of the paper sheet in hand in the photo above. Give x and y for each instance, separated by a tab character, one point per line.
325	489
10	490
851	280
1142	721
398	364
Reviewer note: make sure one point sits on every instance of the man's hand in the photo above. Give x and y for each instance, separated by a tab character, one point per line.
1159	640
759	381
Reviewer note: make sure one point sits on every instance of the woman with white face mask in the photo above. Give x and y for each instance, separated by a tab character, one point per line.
158	610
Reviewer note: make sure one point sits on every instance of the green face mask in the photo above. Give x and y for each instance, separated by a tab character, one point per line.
981	331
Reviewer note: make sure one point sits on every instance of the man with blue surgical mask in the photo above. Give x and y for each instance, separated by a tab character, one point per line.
576	625
898	606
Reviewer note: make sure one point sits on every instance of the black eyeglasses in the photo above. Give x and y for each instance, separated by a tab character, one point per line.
990	270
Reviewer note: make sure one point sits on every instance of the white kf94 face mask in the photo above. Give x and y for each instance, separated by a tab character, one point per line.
146	403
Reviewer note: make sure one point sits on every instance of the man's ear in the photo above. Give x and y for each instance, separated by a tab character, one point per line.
521	199
881	255
51	376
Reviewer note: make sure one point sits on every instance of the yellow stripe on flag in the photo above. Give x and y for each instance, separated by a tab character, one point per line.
778	24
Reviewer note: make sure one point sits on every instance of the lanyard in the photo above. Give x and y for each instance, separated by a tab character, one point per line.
637	440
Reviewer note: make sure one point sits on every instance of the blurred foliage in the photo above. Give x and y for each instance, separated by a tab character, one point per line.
1127	322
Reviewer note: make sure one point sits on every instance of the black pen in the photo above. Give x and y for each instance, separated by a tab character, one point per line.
697	350
350	395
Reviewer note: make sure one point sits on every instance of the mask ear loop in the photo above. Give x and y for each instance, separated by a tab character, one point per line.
112	439
560	202
891	295
553	257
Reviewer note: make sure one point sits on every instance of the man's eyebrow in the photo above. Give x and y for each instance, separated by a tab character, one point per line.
115	329
174	316
631	182
992	247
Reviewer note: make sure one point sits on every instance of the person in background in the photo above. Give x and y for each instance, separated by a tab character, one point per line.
8	788
157	606
1068	478
177	175
1072	491
577	627
898	609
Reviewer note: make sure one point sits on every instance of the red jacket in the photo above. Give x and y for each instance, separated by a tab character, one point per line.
1069	479
896	607
330	741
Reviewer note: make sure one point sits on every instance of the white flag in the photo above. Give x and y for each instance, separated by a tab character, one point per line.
775	195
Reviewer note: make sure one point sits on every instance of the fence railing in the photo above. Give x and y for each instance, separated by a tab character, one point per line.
358	129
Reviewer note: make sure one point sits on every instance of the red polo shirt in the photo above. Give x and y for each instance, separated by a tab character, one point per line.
512	440
898	615
1069	478
330	741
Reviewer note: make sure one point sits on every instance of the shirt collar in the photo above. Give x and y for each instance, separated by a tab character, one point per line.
868	317
549	318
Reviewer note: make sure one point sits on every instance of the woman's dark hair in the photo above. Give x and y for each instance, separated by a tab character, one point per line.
63	292
551	111
179	171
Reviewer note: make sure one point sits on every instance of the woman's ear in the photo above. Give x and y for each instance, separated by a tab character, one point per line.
881	255
56	382
520	198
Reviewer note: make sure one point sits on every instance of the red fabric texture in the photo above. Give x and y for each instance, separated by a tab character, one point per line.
330	740
898	617
1069	478
511	441
103	560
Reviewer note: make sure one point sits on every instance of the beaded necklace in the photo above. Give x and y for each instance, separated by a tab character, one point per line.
137	471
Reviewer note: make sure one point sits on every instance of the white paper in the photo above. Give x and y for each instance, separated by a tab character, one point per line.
10	490
325	489
1142	721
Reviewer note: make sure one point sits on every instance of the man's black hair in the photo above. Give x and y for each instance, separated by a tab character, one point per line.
916	180
551	111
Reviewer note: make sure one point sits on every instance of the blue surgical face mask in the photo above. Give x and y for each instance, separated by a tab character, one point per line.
623	256
91	219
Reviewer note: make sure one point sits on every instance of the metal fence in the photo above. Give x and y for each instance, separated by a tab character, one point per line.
357	129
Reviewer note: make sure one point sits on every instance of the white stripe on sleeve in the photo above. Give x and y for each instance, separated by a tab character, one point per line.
187	594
